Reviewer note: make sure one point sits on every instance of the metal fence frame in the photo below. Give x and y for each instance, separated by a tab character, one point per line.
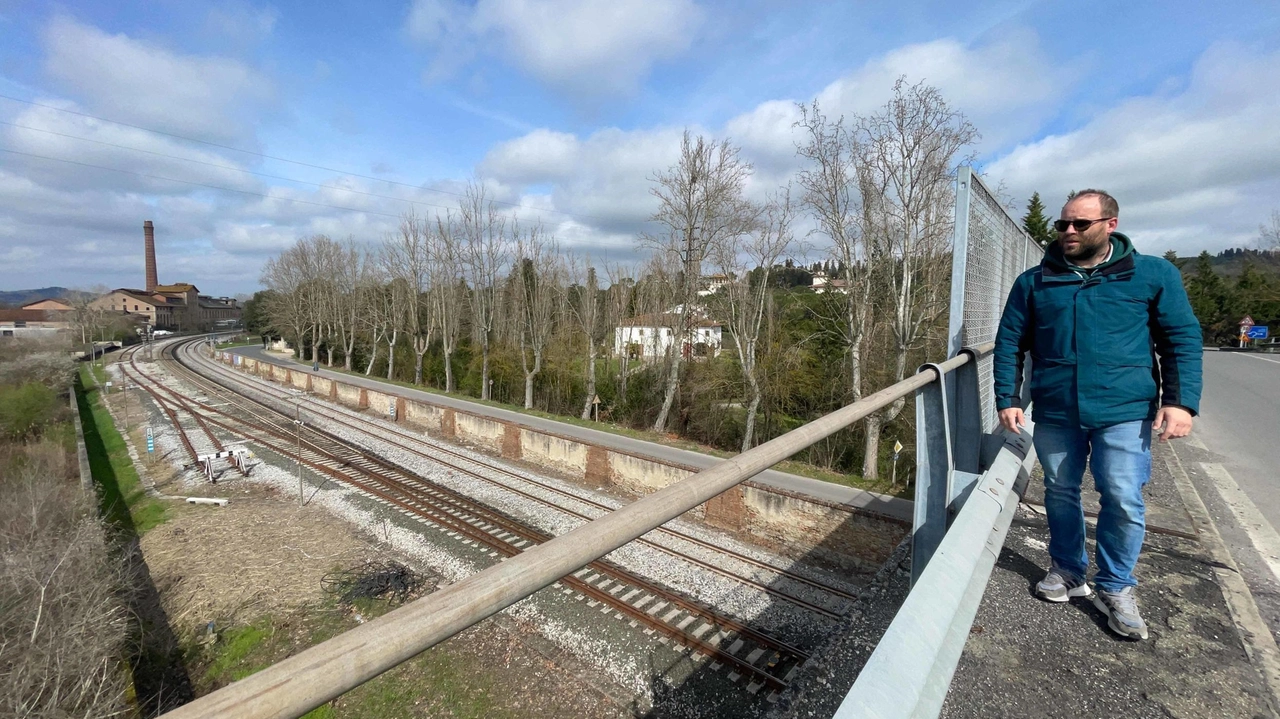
970	474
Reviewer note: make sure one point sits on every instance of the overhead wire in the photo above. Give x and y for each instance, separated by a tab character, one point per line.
270	157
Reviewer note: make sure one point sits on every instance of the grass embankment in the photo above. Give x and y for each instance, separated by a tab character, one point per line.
122	498
802	469
438	682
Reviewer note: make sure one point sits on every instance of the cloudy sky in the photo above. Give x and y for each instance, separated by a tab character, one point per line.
239	127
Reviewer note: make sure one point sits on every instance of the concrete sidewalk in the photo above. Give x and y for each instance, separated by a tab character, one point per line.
850	497
1028	658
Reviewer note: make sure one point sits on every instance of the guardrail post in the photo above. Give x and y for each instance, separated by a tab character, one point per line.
967	438
933	471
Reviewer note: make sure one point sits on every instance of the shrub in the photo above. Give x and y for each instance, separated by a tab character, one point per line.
63	628
26	409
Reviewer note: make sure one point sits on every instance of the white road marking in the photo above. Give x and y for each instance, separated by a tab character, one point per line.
1195	441
1261	533
1264	359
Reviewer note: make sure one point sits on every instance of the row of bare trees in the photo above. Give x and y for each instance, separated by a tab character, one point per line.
875	194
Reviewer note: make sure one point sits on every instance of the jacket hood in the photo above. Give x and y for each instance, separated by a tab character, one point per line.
1121	247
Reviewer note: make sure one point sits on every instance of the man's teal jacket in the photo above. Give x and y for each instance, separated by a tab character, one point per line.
1094	336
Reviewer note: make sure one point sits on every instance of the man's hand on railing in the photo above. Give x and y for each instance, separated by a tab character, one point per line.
1013	418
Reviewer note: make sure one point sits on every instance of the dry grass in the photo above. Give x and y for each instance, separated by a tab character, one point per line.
258	555
63	626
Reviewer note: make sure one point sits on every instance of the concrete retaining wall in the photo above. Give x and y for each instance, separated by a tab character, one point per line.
348	394
426	416
479	430
793	524
564	455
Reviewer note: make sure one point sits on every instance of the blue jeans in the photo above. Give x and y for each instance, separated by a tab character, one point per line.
1120	457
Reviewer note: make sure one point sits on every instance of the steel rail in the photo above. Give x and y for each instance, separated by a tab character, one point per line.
351	463
386	434
133	365
312	677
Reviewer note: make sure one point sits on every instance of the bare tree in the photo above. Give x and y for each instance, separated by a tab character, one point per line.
448	285
744	298
908	151
538	275
287	304
831	195
408	258
587	309
352	275
377	312
1269	235
699	203
486	252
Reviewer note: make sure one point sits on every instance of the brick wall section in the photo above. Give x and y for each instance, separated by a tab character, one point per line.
448	423
364	399
511	442
727	510
598	472
400	409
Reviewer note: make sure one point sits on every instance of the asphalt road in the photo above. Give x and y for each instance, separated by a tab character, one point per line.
1240	422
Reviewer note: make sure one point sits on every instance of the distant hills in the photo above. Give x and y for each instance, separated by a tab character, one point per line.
18	298
1229	263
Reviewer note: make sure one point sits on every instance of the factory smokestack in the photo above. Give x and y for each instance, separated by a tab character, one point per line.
149	235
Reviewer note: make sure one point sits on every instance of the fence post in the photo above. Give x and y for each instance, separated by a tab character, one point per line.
933	471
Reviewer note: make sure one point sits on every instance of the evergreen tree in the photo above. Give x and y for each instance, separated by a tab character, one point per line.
1208	295
1035	222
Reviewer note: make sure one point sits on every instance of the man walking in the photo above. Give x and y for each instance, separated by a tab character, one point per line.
1094	316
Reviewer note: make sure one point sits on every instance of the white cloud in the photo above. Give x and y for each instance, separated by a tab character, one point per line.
1192	169
1004	88
51	133
606	174
208	97
584	48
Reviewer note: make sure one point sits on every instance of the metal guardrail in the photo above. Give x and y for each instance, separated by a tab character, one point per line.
969	477
909	673
323	672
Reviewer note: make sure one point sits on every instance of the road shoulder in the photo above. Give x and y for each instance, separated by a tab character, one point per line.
1025	657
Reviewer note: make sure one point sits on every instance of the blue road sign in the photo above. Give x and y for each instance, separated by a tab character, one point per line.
1258	332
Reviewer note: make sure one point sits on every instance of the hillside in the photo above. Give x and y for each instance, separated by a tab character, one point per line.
1229	263
17	298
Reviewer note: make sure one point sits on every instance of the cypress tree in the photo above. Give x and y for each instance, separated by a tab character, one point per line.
1035	222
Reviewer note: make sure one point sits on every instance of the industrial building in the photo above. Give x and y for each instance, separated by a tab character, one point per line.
178	306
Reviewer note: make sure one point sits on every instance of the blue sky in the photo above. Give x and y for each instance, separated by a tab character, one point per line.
563	108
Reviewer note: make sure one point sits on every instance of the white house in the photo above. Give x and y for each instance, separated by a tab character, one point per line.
712	283
649	337
823	283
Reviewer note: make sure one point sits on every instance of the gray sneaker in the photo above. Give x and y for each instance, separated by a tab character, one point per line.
1121	609
1059	585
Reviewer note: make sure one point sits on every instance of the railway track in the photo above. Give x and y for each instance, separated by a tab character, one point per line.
748	655
458	461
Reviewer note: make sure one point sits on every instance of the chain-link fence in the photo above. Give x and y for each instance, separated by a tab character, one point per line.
991	250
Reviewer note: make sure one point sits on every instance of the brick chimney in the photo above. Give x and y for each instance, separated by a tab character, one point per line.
149	234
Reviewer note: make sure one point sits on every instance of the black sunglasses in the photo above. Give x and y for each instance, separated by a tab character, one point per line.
1080	225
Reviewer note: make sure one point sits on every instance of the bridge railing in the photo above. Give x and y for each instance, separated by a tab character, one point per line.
306	680
970	475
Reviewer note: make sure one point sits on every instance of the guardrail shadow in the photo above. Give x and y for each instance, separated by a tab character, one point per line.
160	678
686	683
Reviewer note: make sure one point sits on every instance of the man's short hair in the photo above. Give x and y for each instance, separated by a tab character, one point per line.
1110	208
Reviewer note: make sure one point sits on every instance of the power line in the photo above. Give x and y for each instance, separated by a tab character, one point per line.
277	158
197	184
